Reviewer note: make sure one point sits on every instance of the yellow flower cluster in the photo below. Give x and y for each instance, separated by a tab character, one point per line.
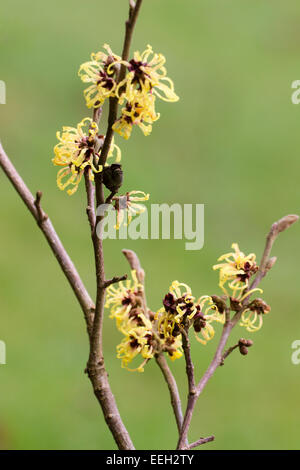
145	79
236	269
77	149
180	310
100	73
125	306
146	333
235	272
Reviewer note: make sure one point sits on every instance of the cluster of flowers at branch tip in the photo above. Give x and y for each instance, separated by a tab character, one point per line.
79	149
236	271
147	333
145	79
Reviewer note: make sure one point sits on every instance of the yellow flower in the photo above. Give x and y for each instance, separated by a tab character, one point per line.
139	111
147	73
129	205
237	268
207	312
137	341
252	317
178	308
122	299
77	149
173	346
100	73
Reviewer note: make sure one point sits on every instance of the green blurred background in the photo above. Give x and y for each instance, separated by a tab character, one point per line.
231	142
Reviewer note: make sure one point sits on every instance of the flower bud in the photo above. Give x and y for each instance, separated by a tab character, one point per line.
245	342
243	350
199	322
234	304
113	177
260	306
220	303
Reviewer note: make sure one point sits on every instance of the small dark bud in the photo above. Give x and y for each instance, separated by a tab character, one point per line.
245	342
113	177
176	331
151	315
243	350
260	306
199	322
219	302
170	304
234	304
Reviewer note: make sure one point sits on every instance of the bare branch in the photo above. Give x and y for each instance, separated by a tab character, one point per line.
227	353
115	279
41	214
90	191
275	230
34	206
202	440
173	389
110	197
188	361
97	113
135	264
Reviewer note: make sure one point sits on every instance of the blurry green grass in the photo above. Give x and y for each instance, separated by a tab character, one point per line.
231	142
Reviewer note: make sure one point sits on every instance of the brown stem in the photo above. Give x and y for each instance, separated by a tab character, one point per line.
173	389
113	102
201	441
227	353
135	265
129	25
115	279
275	230
44	223
90	191
208	374
188	361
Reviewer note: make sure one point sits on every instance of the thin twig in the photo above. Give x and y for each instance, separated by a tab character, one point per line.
188	361
110	197
115	279
67	266
208	374
201	441
275	230
227	353
41	214
90	191
173	389
135	265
